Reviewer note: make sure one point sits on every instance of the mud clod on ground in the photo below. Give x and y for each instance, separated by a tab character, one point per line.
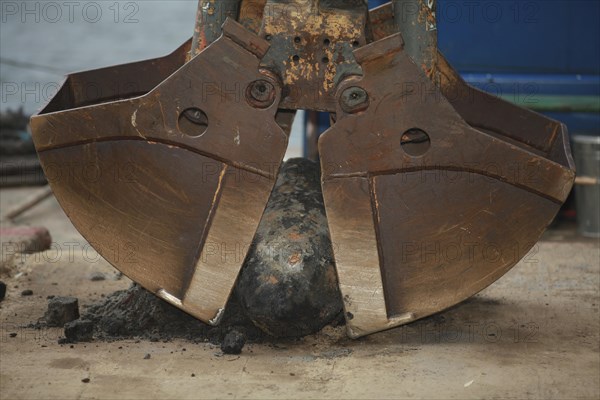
80	330
61	310
234	342
137	313
2	290
97	276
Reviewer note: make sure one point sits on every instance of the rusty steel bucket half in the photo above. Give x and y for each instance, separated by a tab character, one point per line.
432	193
167	167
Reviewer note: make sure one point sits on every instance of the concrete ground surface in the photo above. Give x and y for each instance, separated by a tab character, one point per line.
534	334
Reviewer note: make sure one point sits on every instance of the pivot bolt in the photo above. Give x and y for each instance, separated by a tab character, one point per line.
354	99
260	93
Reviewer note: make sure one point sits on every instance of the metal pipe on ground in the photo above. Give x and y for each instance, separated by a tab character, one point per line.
586	151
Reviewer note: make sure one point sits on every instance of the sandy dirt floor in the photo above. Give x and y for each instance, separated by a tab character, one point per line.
533	334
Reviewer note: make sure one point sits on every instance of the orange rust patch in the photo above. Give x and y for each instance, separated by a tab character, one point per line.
294	236
294	259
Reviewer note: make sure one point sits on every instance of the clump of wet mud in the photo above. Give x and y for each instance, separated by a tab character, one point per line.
288	285
137	313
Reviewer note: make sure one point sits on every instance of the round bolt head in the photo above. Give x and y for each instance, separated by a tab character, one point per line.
354	99
260	93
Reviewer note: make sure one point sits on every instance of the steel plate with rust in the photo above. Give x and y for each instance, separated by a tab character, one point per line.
169	186
426	204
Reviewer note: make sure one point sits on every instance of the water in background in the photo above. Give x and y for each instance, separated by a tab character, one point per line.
47	39
84	35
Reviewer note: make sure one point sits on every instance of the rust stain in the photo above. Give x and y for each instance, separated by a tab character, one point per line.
295	258
308	43
295	236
